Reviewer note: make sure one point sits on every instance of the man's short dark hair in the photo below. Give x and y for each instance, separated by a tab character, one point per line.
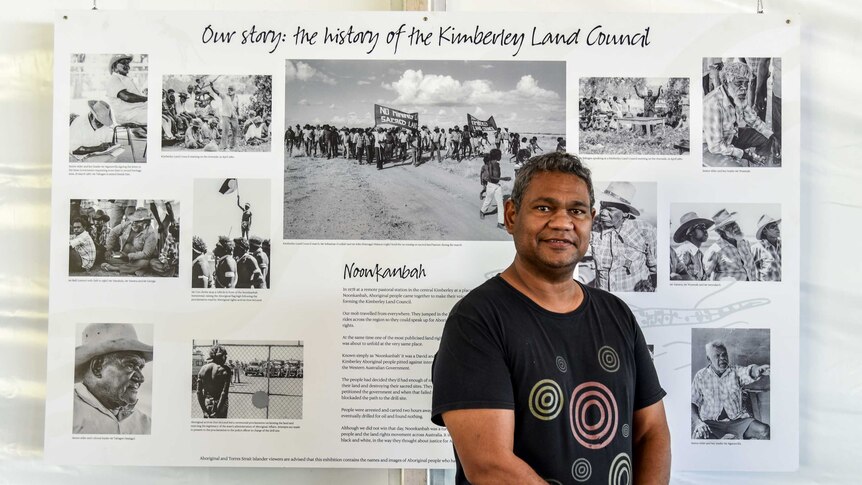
215	350
551	162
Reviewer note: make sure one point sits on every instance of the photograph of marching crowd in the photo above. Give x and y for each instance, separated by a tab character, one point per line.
108	108
622	252
231	242
114	237
725	242
413	150
217	113
741	112
246	379
634	116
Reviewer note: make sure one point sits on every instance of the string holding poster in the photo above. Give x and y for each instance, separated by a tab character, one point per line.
303	202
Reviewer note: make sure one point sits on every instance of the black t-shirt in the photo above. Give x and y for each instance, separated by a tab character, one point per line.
573	379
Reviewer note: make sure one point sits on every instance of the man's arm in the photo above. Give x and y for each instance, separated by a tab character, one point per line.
484	439
131	97
222	399
651	445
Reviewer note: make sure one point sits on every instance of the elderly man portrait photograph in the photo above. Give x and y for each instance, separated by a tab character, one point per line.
729	394
535	371
111	380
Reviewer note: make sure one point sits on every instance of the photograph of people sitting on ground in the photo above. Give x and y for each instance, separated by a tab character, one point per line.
122	238
108	108
634	116
415	142
741	112
217	113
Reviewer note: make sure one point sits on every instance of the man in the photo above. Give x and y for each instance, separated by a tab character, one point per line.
730	258
245	222
649	100
92	133
767	252
229	113
99	233
131	245
248	274
202	271
490	177
214	384
690	235
437	144
716	398
254	133
623	247
733	133
168	261
256	250
82	249
266	250
108	374
127	102
225	266
194	137
513	345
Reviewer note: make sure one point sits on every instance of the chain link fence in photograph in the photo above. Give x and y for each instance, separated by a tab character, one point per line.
266	378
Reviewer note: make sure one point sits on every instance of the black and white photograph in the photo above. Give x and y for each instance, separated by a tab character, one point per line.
742	112
217	113
124	238
413	150
725	242
730	384
113	379
634	116
622	252
231	242
239	379
108	108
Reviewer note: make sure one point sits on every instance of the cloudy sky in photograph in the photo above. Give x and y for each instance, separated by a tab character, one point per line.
525	96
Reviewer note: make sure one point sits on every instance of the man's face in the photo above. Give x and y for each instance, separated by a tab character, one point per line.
698	233
718	359
732	229
611	217
649	92
77	228
138	226
551	230
738	88
230	91
122	67
121	378
772	232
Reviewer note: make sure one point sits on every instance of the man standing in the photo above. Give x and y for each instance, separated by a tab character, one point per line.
716	398
649	100
262	259
202	271
82	249
767	251
225	267
731	129
730	258
493	191
691	234
515	349
245	222
127	102
214	384
229	113
623	246
248	274
132	244
108	374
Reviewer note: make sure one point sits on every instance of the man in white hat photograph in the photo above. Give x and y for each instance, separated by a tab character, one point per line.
132	244
691	233
623	241
112	392
123	94
767	250
92	133
730	258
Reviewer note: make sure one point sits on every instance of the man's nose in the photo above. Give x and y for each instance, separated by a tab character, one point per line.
561	219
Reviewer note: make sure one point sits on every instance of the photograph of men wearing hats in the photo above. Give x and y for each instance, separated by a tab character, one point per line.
240	256
725	242
217	112
108	110
128	237
623	241
112	389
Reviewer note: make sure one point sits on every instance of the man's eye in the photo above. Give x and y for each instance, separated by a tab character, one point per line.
543	208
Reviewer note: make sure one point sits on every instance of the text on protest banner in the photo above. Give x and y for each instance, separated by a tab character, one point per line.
389	116
477	124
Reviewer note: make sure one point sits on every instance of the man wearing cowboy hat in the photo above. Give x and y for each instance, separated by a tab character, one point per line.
254	131
622	246
730	258
690	235
132	243
99	233
194	137
108	375
92	133
767	251
127	102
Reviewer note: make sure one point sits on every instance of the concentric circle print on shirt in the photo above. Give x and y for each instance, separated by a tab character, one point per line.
561	364
621	470
546	400
608	359
593	415
582	470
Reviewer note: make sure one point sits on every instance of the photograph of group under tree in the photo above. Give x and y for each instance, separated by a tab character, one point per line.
634	116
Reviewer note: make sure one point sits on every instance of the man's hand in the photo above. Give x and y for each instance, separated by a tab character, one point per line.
759	371
701	431
774	148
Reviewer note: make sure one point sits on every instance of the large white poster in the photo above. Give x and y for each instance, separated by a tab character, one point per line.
260	222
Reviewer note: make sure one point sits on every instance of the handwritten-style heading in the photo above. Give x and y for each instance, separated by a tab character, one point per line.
415	37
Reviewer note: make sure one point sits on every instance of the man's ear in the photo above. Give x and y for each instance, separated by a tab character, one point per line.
509	215
96	365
